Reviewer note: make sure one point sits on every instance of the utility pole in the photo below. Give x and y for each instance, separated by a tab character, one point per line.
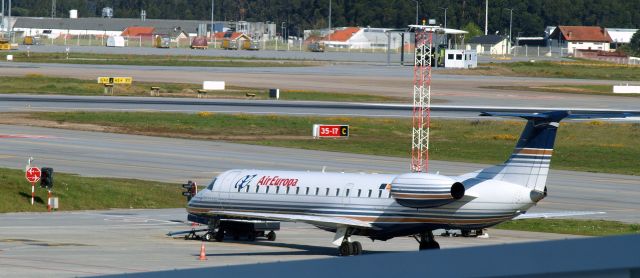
2	17
486	17
9	18
330	15
510	22
213	6
445	16
417	7
53	8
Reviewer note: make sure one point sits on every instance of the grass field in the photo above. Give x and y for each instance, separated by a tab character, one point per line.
83	193
587	146
40	84
578	69
572	226
154	60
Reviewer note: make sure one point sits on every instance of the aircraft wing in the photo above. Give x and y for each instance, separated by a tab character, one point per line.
555	214
325	221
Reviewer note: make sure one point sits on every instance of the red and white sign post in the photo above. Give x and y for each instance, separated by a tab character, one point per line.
33	176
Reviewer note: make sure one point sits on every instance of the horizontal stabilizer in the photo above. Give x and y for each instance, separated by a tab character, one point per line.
556	116
555	214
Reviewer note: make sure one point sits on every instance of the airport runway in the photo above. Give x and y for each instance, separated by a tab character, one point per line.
38	103
89	243
176	160
380	80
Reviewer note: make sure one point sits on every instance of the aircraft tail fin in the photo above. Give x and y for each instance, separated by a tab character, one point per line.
529	163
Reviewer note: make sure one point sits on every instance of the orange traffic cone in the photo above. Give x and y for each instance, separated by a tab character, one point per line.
203	255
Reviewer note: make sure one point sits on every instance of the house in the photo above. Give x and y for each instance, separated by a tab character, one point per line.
358	38
138	31
581	38
175	33
490	44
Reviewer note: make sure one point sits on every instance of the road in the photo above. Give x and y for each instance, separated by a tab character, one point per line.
463	90
176	160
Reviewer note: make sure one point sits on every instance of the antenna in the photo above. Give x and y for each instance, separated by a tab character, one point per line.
422	96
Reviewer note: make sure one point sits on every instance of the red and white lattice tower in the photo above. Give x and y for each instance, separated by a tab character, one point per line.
422	98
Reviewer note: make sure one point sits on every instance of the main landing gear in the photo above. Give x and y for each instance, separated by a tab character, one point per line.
427	241
346	246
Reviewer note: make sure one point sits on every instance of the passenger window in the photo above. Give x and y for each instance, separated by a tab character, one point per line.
257	188
247	188
297	190
380	193
370	191
337	191
307	191
327	194
277	189
267	190
359	192
287	190
317	191
239	188
347	194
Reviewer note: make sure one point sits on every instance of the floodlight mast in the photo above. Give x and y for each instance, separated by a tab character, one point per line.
422	97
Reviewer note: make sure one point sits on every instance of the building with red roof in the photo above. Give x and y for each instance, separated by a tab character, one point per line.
581	38
138	31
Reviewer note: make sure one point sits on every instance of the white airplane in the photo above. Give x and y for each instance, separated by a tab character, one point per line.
382	207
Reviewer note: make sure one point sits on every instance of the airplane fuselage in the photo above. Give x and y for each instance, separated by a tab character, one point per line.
362	197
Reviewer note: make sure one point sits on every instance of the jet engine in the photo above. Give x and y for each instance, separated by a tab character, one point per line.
419	190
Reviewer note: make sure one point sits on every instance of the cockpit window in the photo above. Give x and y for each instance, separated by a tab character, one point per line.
210	187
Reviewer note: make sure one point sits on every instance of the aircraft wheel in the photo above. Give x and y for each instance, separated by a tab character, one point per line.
346	249
207	236
357	248
271	236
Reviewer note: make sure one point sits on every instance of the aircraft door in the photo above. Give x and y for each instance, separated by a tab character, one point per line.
226	186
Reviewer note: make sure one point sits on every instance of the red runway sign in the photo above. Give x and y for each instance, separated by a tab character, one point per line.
33	174
331	131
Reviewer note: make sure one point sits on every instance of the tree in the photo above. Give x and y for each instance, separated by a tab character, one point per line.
634	45
473	29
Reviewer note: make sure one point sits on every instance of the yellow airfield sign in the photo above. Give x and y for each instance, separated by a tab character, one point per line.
115	80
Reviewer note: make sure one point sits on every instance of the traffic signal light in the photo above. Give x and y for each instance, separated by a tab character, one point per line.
190	190
46	178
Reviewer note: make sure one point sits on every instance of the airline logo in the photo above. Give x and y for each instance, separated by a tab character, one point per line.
241	183
277	181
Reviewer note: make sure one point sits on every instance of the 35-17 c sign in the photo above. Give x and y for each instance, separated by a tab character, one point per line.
330	131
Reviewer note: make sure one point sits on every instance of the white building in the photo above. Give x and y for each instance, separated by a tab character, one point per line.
581	38
620	36
460	59
490	45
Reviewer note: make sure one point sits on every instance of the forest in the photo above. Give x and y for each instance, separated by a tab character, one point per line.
529	17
